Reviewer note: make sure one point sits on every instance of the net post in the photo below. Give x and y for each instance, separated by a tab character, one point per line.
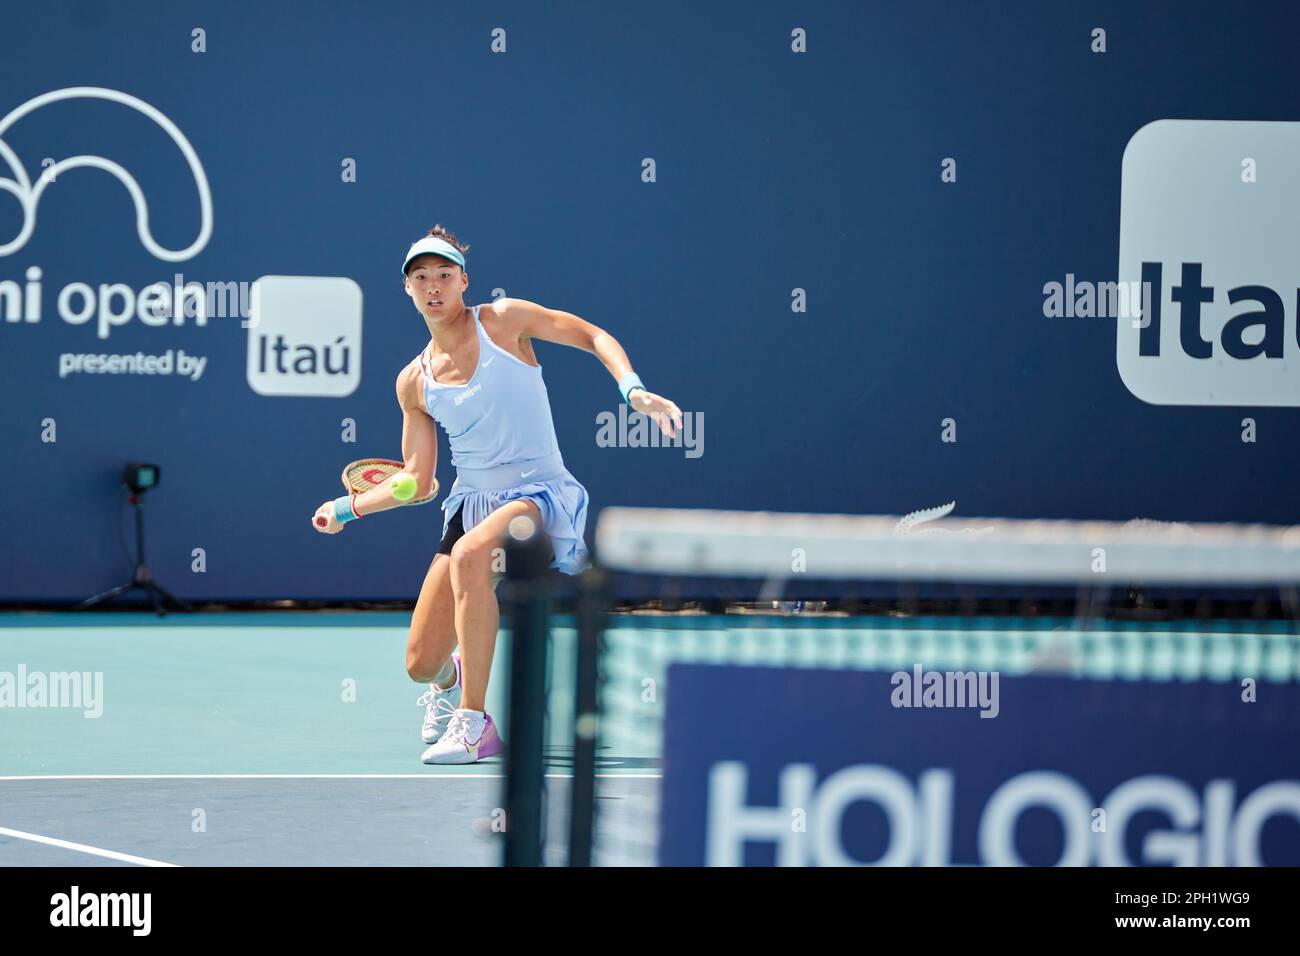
528	596
591	593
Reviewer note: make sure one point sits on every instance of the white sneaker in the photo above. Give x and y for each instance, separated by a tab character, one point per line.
439	705
471	736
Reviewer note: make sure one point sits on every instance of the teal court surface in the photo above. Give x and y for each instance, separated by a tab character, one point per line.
293	738
277	738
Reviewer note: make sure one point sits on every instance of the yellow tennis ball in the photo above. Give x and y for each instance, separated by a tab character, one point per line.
403	486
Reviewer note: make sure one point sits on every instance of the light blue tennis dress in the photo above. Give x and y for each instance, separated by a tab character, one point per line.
503	447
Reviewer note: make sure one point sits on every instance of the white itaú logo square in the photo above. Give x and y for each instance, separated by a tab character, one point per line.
1207	216
304	336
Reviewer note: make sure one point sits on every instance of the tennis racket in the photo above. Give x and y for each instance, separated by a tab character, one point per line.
367	473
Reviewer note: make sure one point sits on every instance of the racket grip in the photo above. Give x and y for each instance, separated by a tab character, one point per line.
322	521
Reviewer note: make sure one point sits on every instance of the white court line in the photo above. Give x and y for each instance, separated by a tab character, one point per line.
306	776
82	848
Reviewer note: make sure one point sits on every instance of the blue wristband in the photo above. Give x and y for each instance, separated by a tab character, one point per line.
343	512
628	382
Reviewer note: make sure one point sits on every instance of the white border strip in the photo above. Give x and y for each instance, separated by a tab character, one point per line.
761	544
303	776
82	848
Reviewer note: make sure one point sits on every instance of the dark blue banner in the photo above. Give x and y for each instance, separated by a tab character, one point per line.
864	247
795	767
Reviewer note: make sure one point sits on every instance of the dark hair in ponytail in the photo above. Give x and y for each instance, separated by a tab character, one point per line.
445	234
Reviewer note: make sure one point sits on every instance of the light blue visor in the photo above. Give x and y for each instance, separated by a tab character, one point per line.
435	246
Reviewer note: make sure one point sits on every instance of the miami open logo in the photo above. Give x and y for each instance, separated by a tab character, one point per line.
304	332
29	192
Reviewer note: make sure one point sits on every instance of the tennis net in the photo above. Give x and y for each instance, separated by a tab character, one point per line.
796	688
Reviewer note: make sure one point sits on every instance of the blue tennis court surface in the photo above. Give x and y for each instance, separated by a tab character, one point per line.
246	739
292	738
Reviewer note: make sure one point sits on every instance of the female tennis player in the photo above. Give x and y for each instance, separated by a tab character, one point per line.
478	378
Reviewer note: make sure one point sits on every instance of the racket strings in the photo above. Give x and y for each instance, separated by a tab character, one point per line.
369	473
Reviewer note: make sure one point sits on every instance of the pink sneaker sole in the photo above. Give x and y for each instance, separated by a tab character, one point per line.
489	744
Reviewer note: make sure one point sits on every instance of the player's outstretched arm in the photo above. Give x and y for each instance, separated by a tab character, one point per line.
565	328
419	454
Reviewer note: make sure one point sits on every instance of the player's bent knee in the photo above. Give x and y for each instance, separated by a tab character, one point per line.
470	563
429	643
416	669
417	659
422	665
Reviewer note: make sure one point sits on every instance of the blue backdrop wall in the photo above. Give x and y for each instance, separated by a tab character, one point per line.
526	128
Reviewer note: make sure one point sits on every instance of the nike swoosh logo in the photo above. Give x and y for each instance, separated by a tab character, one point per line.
525	474
487	362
